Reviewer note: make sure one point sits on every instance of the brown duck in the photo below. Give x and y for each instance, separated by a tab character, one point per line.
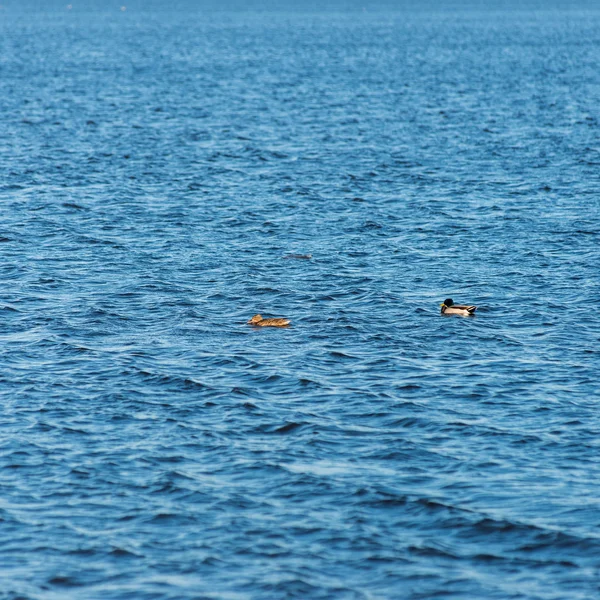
449	308
258	321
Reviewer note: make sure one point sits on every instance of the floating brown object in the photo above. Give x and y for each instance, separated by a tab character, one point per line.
258	321
449	308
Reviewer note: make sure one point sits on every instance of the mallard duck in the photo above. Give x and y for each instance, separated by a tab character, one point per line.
449	308
258	321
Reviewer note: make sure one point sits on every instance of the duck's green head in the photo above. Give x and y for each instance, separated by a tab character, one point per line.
447	302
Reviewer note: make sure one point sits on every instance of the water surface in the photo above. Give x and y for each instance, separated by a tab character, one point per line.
159	166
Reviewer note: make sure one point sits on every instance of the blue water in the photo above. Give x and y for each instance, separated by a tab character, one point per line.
157	169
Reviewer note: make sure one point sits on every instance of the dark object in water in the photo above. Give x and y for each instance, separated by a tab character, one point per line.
299	256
